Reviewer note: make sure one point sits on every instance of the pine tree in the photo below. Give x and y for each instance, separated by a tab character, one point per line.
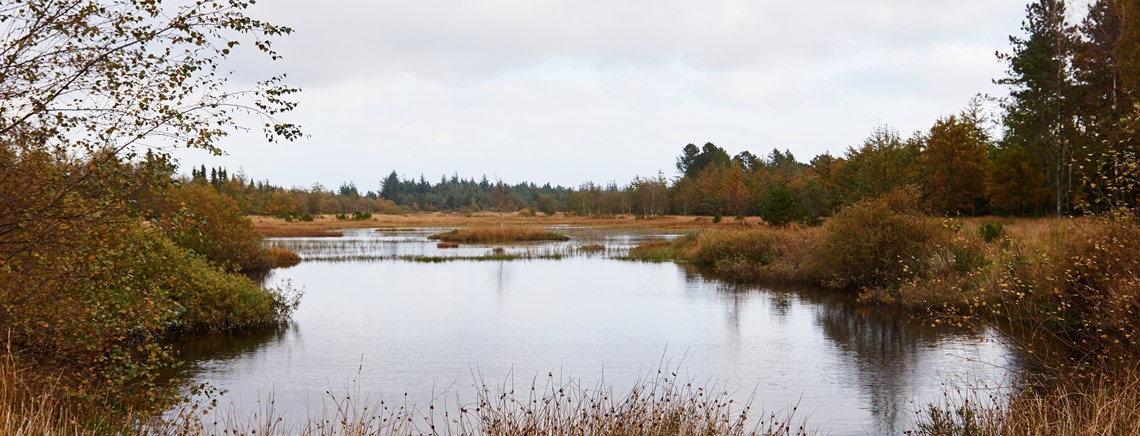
1039	111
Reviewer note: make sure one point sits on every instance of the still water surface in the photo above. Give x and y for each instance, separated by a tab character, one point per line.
380	324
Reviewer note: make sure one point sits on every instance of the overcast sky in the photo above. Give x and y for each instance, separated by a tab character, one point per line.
568	91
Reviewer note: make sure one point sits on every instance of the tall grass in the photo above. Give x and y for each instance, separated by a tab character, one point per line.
657	405
289	232
1074	406
28	407
283	257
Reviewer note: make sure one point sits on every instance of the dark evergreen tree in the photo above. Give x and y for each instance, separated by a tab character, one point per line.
1040	109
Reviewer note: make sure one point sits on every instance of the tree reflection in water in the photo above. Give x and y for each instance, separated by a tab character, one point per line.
886	351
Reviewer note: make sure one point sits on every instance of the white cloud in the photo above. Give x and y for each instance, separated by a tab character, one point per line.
569	91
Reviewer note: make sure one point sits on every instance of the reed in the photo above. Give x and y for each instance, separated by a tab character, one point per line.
498	235
591	248
656	405
1075	406
290	232
28	407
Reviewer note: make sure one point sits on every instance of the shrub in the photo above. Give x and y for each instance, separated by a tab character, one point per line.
1097	268
991	232
761	255
780	207
199	219
751	247
91	316
875	242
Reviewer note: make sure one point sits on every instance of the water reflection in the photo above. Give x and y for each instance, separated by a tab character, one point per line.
223	347
369	244
888	353
397	326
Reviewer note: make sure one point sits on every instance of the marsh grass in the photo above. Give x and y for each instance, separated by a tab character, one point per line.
658	404
490	257
28	407
1074	406
288	232
498	235
283	257
756	254
592	248
677	249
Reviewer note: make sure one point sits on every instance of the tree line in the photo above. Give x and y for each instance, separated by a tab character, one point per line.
1064	142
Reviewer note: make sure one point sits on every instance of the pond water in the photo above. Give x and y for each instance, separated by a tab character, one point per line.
378	320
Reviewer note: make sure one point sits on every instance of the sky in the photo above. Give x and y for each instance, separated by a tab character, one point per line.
570	91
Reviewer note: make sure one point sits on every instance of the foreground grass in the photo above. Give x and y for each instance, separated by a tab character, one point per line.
1072	406
498	235
657	405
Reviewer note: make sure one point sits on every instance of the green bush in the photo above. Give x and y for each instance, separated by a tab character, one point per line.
991	232
780	207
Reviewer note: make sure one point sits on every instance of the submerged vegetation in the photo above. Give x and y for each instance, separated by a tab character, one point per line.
498	235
